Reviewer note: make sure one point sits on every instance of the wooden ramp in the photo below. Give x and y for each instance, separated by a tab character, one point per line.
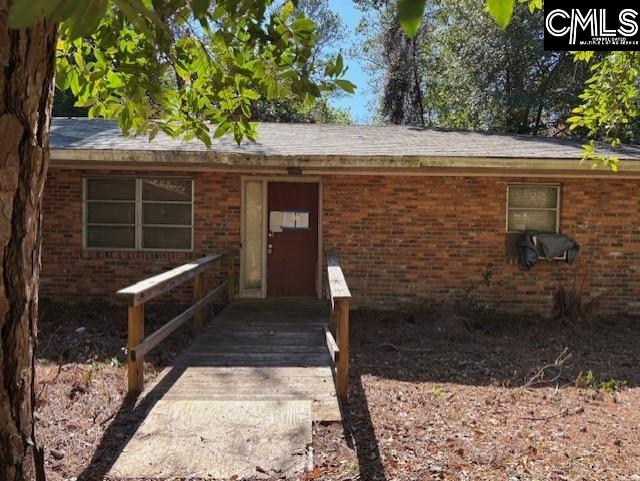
240	399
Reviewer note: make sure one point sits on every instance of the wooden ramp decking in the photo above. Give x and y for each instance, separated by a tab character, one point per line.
241	397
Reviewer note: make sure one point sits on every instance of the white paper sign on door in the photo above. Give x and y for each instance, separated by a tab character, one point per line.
275	221
288	220
302	220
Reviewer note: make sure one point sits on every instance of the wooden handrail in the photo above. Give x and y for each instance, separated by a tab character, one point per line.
339	299
332	345
152	287
158	336
336	283
147	289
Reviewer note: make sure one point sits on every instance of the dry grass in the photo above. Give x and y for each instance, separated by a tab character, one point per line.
450	403
434	396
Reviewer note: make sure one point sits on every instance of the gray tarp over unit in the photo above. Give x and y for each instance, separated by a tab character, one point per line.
549	246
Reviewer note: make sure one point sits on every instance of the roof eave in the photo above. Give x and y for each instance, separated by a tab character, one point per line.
203	160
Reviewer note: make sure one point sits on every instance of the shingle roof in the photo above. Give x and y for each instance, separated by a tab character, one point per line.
322	140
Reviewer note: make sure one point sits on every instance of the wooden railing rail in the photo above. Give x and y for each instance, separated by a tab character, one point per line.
145	290
339	299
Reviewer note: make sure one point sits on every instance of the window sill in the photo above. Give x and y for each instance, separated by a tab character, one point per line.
95	253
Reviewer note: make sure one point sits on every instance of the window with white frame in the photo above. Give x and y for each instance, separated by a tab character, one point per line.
147	213
533	207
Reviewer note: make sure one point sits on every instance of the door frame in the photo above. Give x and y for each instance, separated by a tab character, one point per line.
262	292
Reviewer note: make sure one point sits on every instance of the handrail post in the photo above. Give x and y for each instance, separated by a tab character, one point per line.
342	368
136	335
198	293
231	279
147	289
333	321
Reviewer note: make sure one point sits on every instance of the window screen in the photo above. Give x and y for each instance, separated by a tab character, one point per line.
533	207
166	214
111	213
143	213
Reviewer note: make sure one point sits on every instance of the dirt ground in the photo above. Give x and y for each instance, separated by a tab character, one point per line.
434	395
83	417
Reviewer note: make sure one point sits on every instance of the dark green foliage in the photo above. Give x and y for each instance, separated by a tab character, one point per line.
588	380
462	71
287	112
410	15
64	105
183	66
610	104
330	32
324	58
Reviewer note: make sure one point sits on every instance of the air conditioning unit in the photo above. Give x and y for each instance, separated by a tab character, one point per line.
540	252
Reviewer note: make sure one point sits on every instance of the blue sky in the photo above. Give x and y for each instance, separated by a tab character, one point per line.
358	103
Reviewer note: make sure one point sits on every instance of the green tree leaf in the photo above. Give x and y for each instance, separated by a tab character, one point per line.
345	85
410	13
26	13
339	67
610	106
199	8
142	63
501	11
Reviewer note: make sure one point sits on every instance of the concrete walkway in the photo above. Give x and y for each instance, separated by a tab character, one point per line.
240	399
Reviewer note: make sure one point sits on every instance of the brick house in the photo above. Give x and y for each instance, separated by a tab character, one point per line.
414	215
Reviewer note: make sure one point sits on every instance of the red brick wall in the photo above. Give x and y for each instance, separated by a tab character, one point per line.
399	239
69	272
417	239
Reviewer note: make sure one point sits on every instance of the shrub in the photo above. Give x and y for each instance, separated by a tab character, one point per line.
588	380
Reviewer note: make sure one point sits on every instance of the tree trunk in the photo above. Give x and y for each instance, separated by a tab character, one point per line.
27	60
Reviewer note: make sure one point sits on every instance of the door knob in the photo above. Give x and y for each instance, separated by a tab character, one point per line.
269	249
